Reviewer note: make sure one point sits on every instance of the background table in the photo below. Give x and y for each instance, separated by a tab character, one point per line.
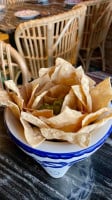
9	22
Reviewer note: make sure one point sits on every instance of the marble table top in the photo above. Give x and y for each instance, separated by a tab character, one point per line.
21	177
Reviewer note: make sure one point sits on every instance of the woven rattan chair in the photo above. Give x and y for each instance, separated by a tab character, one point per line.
12	65
97	23
41	41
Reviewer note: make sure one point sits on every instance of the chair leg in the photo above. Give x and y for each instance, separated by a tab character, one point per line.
82	61
86	60
102	50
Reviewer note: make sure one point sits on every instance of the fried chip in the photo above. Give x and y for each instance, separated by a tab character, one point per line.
26	92
77	89
17	100
43	88
101	95
79	73
86	91
75	138
69	101
38	100
32	134
4	98
44	113
32	96
81	137
52	133
11	85
46	71
34	86
58	91
49	100
33	120
64	73
68	120
92	117
15	109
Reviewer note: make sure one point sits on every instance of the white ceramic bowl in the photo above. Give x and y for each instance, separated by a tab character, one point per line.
56	157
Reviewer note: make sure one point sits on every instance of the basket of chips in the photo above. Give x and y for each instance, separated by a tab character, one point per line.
59	118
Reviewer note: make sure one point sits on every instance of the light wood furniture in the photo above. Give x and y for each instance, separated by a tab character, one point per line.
97	23
11	64
41	41
108	51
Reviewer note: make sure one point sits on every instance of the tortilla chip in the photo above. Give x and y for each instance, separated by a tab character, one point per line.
33	120
11	85
37	100
44	113
17	100
25	92
69	101
79	73
77	89
15	109
101	95
58	91
64	73
92	117
32	134
81	139
68	120
32	96
86	91
43	88
4	98
46	71
49	100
